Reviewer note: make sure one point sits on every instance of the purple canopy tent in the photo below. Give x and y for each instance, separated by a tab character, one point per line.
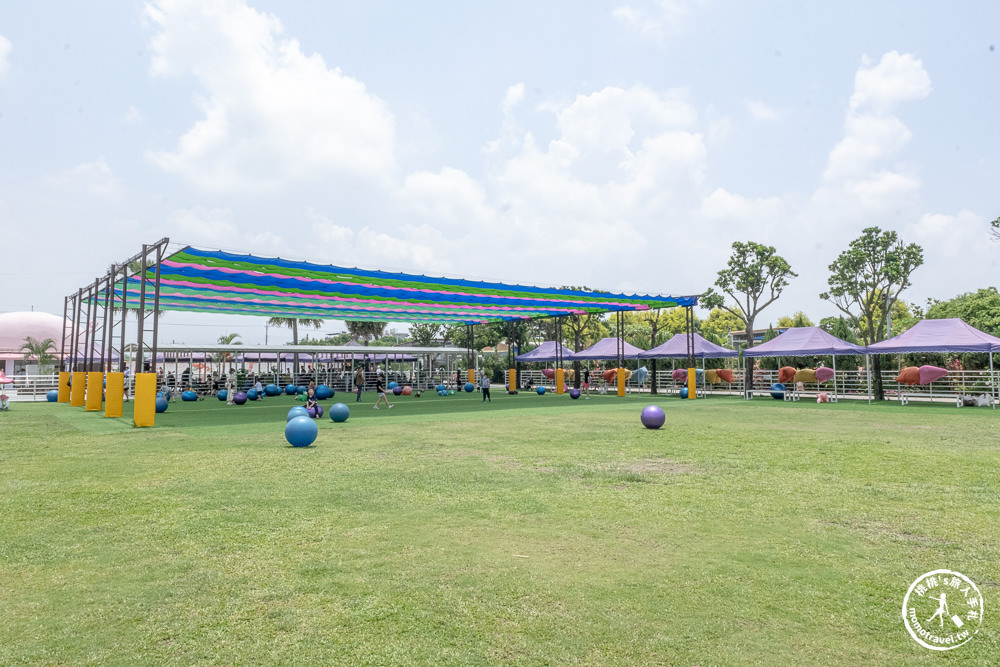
546	352
676	348
947	335
607	348
806	342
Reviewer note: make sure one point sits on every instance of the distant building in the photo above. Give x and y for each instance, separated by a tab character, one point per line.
740	337
15	327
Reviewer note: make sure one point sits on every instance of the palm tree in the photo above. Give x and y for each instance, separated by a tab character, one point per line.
228	339
40	350
364	330
293	324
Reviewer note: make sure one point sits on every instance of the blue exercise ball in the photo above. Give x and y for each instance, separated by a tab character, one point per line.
684	392
240	398
652	417
540	391
392	385
162	394
161	404
52	396
397	390
574	393
189	396
301	431
323	392
222	395
339	412
297	411
442	392
441	387
302	389
290	389
252	395
469	387
272	390
778	391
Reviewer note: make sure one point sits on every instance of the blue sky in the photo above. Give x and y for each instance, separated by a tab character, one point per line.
620	145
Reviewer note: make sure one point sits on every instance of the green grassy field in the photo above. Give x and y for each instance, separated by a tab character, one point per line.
536	530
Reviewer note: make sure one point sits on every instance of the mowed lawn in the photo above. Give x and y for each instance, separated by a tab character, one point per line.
535	530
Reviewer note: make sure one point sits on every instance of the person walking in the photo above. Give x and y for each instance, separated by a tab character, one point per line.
380	390
484	384
359	383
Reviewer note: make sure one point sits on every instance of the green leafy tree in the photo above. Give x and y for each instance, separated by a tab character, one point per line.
995	231
228	339
365	330
871	273
754	278
293	324
719	324
980	309
799	319
40	350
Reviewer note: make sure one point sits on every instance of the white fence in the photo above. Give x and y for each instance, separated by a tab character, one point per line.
850	384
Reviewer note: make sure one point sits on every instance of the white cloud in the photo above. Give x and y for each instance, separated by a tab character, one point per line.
5	49
449	198
666	17
954	237
723	205
759	111
897	78
871	131
273	115
132	115
95	178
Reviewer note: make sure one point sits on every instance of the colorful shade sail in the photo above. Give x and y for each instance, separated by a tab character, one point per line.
219	282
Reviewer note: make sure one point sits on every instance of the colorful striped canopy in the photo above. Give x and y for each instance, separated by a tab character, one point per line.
218	282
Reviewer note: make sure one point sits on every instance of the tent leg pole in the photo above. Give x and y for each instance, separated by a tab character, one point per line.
868	373
993	382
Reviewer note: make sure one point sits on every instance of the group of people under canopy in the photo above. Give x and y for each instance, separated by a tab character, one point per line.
951	335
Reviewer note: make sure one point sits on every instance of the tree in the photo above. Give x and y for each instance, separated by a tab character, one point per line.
867	277
996	229
365	330
799	319
980	309
228	339
718	325
754	278
293	324
42	351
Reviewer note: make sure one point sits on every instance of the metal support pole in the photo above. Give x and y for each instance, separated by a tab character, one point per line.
62	349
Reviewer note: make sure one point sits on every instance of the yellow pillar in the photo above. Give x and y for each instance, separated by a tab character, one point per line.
144	405
512	380
64	387
560	381
79	389
114	395
692	383
620	377
471	375
95	391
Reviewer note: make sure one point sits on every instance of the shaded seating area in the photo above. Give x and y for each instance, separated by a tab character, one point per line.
678	348
950	335
803	342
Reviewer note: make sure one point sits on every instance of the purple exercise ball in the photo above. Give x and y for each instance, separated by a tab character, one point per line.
653	417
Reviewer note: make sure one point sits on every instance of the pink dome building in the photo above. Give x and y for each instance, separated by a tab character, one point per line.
15	327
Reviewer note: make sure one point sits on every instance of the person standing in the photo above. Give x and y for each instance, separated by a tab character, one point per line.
359	383
484	384
586	381
380	390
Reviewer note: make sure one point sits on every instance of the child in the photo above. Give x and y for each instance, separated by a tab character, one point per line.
4	403
311	402
259	388
484	384
380	390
